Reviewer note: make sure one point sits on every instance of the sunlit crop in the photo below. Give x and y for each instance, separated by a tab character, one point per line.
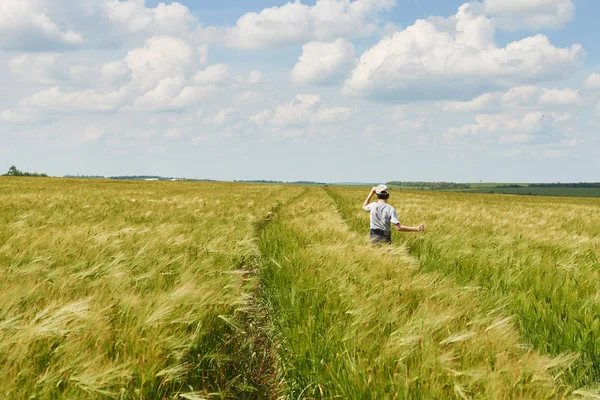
218	290
132	290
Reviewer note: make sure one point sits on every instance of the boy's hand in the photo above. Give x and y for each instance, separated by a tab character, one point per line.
421	228
373	189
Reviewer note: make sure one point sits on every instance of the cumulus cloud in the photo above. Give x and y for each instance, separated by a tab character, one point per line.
592	82
530	14
560	97
213	74
248	97
19	115
296	23
159	58
255	77
115	72
323	63
133	16
517	97
302	110
454	58
166	73
91	133
36	67
56	100
538	127
226	116
150	76
25	24
173	133
331	115
43	25
64	69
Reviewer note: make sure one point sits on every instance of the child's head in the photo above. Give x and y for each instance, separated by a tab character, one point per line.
382	192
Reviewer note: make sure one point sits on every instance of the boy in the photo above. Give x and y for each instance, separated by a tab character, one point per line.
382	214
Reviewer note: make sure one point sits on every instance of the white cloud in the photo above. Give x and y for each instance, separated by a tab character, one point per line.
25	24
302	110
160	75
332	115
249	96
35	25
159	58
173	134
592	82
19	115
255	77
517	97
531	14
35	67
223	117
479	103
559	97
506	128
191	95
322	63
55	100
55	69
53	24
91	133
132	16
262	118
298	111
116	72
452	58
161	96
296	23
213	74
203	54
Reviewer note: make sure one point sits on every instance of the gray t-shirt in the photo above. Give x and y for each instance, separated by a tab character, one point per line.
381	215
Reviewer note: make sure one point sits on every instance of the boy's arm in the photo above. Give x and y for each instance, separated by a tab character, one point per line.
368	199
401	228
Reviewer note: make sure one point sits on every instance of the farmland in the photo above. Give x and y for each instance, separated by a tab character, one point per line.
540	191
227	290
526	189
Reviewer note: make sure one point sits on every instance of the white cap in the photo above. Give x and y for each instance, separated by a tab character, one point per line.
382	189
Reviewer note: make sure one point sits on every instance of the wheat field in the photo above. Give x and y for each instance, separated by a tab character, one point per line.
170	290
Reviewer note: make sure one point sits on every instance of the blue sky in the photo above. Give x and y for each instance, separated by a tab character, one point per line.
326	90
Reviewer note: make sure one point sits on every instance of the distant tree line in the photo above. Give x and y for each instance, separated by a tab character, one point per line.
137	177
13	171
280	182
432	185
566	185
85	176
156	178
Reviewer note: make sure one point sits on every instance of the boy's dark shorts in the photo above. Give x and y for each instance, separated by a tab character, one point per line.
380	236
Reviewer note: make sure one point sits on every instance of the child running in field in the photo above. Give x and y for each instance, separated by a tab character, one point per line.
383	214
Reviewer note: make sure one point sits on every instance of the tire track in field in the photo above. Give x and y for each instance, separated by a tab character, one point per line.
257	324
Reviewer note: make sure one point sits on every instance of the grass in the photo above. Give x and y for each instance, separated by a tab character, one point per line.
129	289
535	257
170	290
351	320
